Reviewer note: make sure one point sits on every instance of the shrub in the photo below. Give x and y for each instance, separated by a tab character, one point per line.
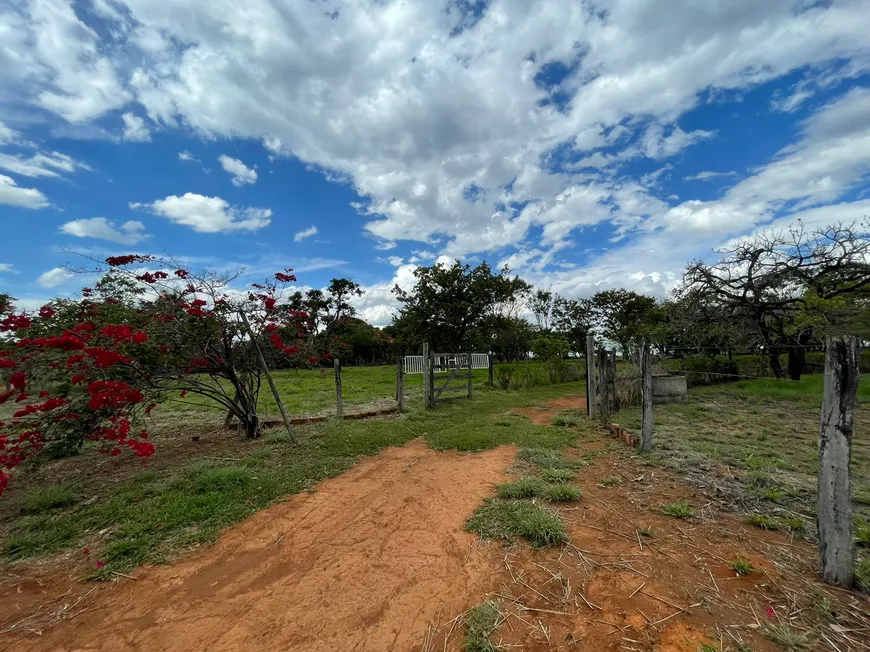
704	370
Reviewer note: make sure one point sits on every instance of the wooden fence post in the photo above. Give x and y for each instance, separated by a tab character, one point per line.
470	390
400	384
591	394
646	394
426	374
490	370
604	384
339	403
268	374
834	500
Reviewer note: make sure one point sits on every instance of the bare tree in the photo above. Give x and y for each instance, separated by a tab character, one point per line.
775	283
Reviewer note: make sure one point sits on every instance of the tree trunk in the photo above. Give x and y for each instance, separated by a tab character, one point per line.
834	500
775	364
796	360
252	426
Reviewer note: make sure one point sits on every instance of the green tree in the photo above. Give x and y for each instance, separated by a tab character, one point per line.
624	317
456	307
572	319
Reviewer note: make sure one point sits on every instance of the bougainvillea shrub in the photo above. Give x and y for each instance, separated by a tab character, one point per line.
93	368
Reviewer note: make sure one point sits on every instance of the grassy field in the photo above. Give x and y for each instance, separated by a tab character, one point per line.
125	514
312	391
756	441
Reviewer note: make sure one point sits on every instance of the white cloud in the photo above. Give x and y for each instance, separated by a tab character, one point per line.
40	164
706	176
7	134
187	156
240	172
135	129
440	121
58	61
131	232
12	195
54	277
306	233
208	214
6	268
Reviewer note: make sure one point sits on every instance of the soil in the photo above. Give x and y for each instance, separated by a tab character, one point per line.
542	415
377	559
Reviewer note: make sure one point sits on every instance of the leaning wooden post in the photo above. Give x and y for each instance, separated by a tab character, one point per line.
834	500
591	397
646	369
339	403
400	384
426	374
489	365
268	374
470	384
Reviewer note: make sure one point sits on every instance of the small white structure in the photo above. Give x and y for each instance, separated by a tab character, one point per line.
444	362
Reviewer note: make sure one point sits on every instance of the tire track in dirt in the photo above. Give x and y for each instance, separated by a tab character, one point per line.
365	562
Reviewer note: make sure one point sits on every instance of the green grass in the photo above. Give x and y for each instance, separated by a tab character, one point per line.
567	419
862	532
763	521
610	481
556	475
742	567
757	439
152	515
523	488
547	458
786	637
507	520
49	498
680	509
536	488
480	624
562	492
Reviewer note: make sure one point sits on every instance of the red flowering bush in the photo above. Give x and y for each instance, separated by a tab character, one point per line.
101	364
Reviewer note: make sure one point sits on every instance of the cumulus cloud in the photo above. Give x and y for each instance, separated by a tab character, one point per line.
130	233
12	195
207	214
54	277
454	134
240	172
305	233
135	129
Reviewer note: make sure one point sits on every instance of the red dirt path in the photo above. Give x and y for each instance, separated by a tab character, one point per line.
363	563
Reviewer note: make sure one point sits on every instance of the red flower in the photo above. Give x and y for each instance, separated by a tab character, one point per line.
86	551
7	364
46	312
100	565
18	380
770	612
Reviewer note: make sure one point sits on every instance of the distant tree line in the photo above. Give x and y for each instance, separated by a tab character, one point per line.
774	294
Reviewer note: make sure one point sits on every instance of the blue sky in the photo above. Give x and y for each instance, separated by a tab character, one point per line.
588	145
